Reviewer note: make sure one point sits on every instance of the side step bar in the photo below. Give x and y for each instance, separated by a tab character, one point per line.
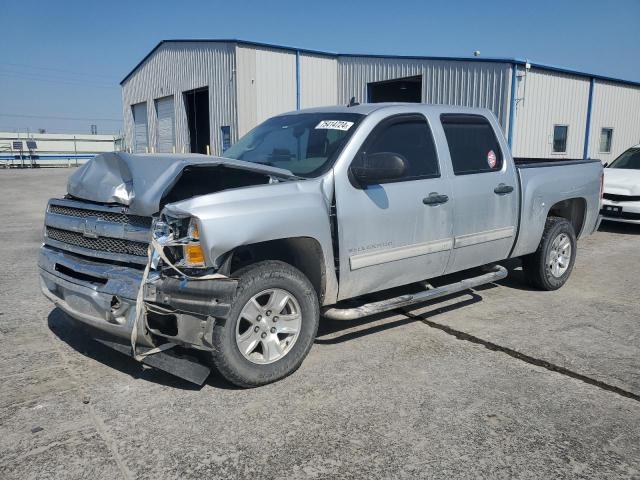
495	273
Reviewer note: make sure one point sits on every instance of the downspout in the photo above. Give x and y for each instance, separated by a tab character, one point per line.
587	133
297	79
512	108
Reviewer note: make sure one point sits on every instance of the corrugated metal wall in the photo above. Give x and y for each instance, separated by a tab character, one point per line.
178	67
266	84
472	84
614	106
545	99
318	81
249	83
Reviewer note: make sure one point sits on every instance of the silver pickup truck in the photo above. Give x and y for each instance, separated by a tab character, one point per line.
184	261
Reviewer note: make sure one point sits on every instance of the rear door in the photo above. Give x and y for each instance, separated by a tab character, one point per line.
485	191
388	235
165	134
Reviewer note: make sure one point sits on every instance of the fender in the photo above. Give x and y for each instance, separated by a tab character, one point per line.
243	216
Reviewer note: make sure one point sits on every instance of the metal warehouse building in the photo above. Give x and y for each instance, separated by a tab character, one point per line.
202	95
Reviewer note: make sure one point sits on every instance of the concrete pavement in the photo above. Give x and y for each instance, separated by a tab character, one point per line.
399	396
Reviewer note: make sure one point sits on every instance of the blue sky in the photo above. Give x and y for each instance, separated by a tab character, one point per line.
61	62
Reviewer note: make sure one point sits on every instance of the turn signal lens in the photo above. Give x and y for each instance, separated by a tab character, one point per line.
193	255
193	232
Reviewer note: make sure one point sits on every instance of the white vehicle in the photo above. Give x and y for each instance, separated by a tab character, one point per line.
621	199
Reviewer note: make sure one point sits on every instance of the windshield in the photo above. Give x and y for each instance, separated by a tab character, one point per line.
629	159
306	144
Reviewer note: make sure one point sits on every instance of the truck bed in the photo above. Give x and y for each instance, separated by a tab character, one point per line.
540	191
531	162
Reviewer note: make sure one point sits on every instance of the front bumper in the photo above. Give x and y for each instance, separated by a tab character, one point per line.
629	211
100	295
103	296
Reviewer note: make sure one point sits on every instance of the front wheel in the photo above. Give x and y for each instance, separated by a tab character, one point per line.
271	325
550	266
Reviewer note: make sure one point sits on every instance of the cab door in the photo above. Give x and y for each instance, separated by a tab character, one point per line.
485	189
395	232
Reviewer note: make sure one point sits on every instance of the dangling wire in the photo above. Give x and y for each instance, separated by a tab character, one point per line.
142	307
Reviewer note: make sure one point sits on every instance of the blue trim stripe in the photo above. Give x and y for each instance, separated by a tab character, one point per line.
512	107
47	157
587	132
516	61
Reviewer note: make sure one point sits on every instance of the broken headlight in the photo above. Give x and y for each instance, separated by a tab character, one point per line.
181	236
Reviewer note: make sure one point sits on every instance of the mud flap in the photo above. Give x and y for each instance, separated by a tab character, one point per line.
184	367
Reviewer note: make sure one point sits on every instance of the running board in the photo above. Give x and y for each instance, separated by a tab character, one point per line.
495	273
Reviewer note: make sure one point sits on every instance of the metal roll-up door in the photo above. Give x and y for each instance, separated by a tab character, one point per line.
140	134
166	134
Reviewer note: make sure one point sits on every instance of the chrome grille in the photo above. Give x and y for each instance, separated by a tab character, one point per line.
124	218
104	244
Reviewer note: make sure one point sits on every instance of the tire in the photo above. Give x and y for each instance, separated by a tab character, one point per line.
540	269
262	365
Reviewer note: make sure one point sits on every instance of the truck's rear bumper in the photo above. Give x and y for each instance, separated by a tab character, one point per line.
102	296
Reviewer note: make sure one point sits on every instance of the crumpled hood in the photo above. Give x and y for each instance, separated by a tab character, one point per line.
622	181
141	180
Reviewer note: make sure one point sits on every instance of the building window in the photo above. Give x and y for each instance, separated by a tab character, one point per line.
606	137
560	138
225	133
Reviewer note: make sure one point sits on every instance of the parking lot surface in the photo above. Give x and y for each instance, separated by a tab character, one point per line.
502	382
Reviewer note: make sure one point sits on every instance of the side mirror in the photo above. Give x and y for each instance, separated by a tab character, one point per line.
605	164
378	167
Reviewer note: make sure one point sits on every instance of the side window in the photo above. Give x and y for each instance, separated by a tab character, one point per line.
472	144
411	138
560	133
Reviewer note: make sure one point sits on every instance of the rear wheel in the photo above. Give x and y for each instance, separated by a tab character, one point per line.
270	328
550	266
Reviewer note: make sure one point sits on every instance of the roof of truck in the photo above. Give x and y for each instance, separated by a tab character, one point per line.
367	108
513	61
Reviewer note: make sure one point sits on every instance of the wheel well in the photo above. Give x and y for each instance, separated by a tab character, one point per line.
573	209
304	253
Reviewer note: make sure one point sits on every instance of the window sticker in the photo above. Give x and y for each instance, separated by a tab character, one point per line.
334	125
491	159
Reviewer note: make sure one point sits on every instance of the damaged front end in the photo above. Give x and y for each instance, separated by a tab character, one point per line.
182	296
179	300
140	248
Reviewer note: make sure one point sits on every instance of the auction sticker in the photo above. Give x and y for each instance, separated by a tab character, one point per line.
491	159
334	125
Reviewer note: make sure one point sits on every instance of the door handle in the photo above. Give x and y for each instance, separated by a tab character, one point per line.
435	199
503	189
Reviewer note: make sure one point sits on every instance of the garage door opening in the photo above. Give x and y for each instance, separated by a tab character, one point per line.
407	89
196	103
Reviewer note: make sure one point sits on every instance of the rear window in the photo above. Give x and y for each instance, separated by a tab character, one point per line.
472	144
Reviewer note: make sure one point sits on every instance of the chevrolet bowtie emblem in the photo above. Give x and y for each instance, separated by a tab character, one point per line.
90	229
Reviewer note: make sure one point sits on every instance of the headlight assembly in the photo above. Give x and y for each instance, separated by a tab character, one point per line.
181	236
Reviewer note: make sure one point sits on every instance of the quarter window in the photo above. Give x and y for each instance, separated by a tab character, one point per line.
606	137
560	133
473	145
411	138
